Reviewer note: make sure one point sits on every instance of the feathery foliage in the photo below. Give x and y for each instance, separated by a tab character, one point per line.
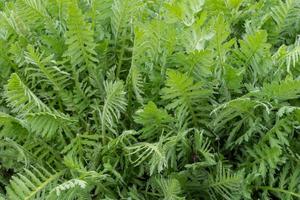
137	99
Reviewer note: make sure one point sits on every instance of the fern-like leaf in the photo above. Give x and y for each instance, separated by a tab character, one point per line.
170	188
254	54
69	190
286	185
266	154
240	115
153	152
203	148
21	98
184	96
153	119
123	11
48	124
225	184
32	12
41	118
184	11
32	184
81	46
50	73
285	16
285	90
114	104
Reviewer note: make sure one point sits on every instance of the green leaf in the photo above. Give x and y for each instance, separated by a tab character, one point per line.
114	104
79	39
153	119
31	184
184	96
225	184
21	98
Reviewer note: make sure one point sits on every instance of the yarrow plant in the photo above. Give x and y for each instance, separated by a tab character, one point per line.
140	99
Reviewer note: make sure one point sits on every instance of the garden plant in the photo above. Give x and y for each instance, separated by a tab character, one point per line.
149	99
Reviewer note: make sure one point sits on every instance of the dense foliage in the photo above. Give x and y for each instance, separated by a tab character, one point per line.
149	99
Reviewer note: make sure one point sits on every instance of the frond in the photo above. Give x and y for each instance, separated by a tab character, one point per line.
144	50
178	148
196	37
204	149
79	39
198	64
221	44
73	163
41	119
103	11
83	145
233	77
137	83
285	16
184	96
153	119
151	152
32	12
11	126
70	190
293	55
48	125
21	98
280	12
42	152
240	115
286	185
266	154
78	100
33	7
288	56
149	39
170	188
6	118
77	168
32	184
114	104
45	69
282	91
13	155
127	138
225	184
123	12
254	55
14	22
263	159
184	11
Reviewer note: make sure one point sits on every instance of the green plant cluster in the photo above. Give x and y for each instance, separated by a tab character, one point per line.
149	99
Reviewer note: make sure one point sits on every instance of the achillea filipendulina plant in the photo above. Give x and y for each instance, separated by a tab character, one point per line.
140	99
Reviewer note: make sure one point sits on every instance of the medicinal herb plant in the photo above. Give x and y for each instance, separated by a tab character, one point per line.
149	99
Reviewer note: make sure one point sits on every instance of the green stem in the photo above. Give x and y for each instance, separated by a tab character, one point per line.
103	125
120	60
278	190
43	185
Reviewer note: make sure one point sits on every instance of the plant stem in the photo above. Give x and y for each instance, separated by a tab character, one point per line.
278	190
